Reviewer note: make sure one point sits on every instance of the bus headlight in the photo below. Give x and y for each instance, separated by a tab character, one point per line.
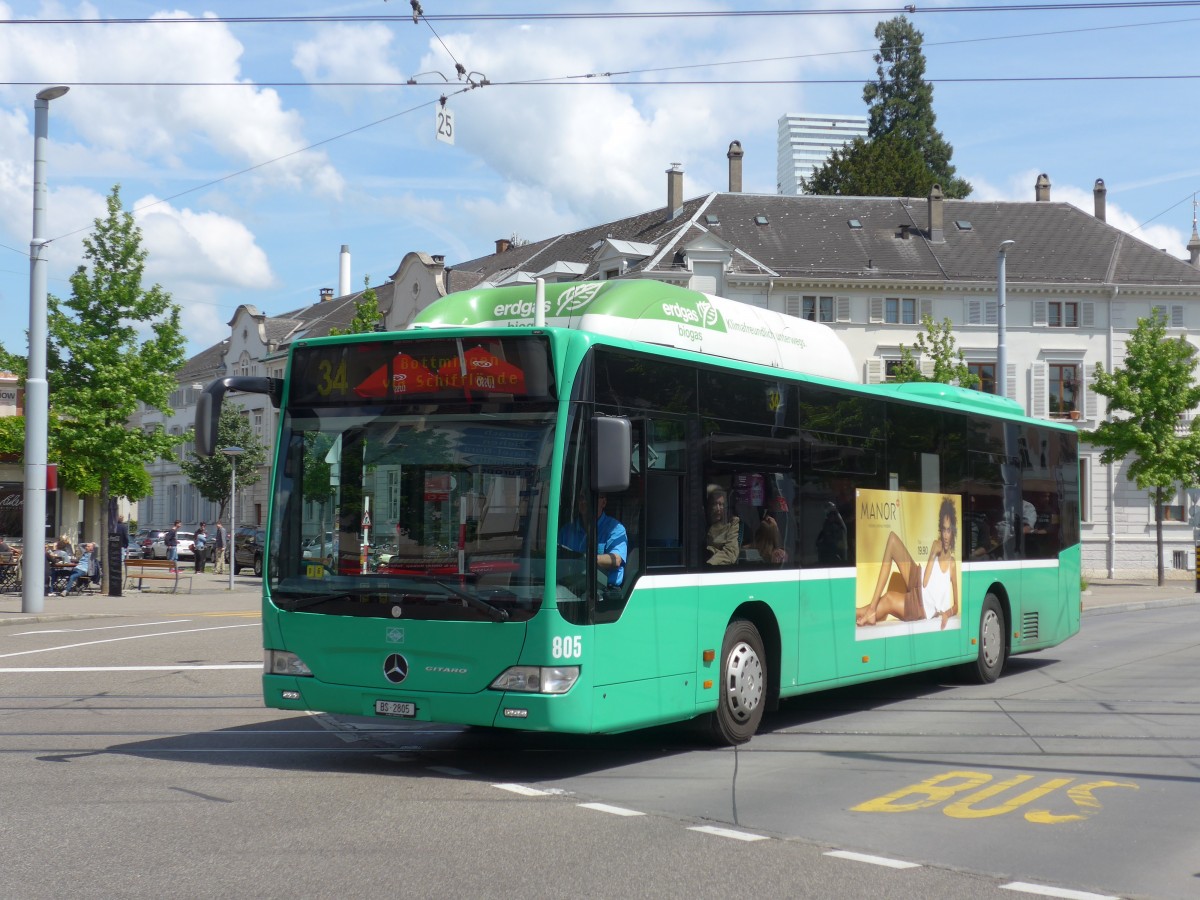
280	662
537	679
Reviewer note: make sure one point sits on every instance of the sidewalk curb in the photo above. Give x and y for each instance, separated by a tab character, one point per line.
1135	605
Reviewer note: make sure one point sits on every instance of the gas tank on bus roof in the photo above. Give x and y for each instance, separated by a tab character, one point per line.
656	313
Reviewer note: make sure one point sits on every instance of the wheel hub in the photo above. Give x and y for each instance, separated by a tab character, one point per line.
744	686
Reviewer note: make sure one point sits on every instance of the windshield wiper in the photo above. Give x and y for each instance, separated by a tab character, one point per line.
495	613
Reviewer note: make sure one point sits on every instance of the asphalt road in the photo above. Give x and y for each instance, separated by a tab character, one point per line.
138	760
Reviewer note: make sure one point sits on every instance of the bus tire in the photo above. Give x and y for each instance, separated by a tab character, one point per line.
743	685
993	651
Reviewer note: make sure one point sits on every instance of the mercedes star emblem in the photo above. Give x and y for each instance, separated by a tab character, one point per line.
395	668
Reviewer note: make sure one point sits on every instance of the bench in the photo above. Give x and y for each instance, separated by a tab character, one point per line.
140	570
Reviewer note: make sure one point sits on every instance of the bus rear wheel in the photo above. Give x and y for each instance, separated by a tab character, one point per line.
992	649
743	685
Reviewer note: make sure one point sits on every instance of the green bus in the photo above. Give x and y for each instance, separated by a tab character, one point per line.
599	506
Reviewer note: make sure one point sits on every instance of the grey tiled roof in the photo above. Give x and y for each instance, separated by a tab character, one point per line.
810	237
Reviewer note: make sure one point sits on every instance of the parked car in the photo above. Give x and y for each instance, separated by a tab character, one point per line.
248	544
184	539
313	548
141	545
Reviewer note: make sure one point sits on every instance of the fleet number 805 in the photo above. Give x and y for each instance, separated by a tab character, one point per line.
570	647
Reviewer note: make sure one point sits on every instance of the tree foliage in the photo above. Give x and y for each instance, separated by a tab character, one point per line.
10	362
884	167
366	312
1151	393
212	475
112	344
937	345
904	154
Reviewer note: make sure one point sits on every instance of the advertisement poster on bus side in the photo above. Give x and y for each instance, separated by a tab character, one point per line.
909	574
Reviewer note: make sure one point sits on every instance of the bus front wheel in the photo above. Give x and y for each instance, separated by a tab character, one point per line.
992	650
743	685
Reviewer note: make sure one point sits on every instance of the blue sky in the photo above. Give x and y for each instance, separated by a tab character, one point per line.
359	165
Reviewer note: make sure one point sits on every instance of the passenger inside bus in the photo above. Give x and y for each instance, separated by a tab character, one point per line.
723	538
768	541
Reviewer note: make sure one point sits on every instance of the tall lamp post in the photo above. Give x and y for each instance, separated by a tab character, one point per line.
233	453
37	394
1001	323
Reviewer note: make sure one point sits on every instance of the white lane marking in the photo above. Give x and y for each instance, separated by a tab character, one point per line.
181	668
614	810
522	790
729	833
100	628
873	860
129	669
132	637
1043	891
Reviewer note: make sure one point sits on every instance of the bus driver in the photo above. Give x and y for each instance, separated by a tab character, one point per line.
612	543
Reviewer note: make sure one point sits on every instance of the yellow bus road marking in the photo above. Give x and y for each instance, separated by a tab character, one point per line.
873	860
984	799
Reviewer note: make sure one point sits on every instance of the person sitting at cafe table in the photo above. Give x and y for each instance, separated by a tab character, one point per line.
84	568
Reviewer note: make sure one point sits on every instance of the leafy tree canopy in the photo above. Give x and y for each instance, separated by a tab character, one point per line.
366	312
938	346
112	344
212	475
900	109
1150	394
10	362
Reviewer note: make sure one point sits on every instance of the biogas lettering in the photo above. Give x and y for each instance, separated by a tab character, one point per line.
519	308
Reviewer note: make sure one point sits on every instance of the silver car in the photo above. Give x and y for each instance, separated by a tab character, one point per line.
184	538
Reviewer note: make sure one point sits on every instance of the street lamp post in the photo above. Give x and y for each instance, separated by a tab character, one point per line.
37	394
1001	324
233	453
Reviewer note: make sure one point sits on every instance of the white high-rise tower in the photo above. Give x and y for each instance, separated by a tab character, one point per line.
805	142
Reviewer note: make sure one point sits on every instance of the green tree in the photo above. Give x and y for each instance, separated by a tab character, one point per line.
887	166
901	117
112	345
10	362
937	345
366	312
1151	393
212	475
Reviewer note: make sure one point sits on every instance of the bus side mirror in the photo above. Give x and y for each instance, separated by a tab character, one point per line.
612	446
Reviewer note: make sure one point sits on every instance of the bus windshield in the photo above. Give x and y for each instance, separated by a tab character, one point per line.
413	502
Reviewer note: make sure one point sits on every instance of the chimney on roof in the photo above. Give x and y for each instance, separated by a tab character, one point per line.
1041	190
674	191
344	271
937	234
502	245
326	294
734	156
1194	244
438	259
1099	193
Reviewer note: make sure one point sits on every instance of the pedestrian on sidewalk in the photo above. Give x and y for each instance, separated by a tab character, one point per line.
219	545
200	548
171	542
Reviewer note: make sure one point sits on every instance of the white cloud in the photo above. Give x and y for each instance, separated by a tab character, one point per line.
245	124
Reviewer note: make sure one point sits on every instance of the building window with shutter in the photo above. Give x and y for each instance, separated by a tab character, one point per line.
900	311
986	373
889	369
818	309
1062	314
1063	388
